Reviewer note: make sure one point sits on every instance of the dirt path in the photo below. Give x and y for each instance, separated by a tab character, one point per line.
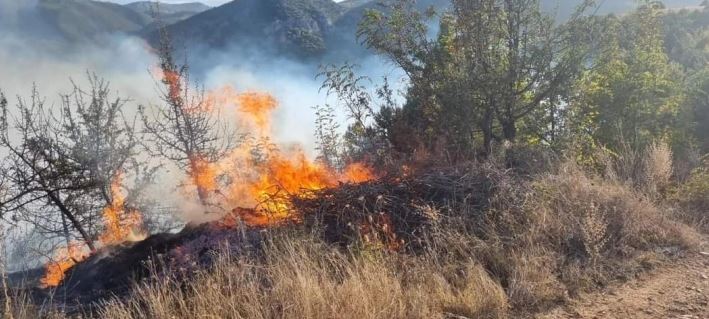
677	291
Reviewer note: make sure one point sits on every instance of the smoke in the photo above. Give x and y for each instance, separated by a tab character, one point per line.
33	53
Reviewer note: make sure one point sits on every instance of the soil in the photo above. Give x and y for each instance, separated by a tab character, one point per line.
678	290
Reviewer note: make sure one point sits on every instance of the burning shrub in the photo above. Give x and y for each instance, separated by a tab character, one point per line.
474	238
395	212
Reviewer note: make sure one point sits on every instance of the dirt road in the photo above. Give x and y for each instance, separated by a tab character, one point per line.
675	291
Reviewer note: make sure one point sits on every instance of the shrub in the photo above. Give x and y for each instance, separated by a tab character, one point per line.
693	198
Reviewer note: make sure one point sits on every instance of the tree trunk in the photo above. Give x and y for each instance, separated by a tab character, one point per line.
509	130
57	201
65	227
202	192
486	127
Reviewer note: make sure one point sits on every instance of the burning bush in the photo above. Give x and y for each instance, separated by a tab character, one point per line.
396	211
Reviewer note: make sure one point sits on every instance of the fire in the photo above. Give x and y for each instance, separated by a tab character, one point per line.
264	184
204	176
358	173
280	179
120	222
259	107
262	179
120	225
173	81
66	257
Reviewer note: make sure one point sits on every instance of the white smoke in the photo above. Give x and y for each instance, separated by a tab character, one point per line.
40	59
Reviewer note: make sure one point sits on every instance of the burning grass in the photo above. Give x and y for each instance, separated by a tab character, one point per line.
476	241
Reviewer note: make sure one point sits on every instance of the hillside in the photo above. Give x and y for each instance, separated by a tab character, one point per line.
293	27
69	21
498	164
77	20
169	12
287	26
145	7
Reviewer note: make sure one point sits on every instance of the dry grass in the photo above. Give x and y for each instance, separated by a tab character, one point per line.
306	279
569	231
657	168
692	198
536	241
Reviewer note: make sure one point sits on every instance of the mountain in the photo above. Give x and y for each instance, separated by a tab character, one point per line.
77	20
295	27
342	40
146	7
169	12
85	20
301	28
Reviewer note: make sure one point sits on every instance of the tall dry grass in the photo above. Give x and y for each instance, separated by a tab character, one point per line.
692	197
302	278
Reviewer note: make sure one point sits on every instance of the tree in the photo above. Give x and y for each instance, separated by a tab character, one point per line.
367	137
185	129
61	167
633	95
494	63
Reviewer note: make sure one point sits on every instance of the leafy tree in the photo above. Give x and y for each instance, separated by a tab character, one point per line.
493	64
633	95
367	136
698	108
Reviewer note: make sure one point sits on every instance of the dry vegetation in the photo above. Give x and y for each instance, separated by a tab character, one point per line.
537	241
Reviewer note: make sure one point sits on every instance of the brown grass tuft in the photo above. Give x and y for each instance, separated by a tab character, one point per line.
301	278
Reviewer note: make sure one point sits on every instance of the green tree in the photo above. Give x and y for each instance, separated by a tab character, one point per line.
633	94
493	64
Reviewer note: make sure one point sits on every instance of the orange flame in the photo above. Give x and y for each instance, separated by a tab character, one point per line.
173	81
268	182
120	225
259	106
260	187
65	258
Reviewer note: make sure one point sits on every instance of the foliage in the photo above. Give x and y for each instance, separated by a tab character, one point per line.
693	197
495	68
368	137
633	94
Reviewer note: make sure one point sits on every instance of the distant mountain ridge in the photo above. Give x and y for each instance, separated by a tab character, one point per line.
167	13
296	27
88	20
78	20
299	28
146	7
